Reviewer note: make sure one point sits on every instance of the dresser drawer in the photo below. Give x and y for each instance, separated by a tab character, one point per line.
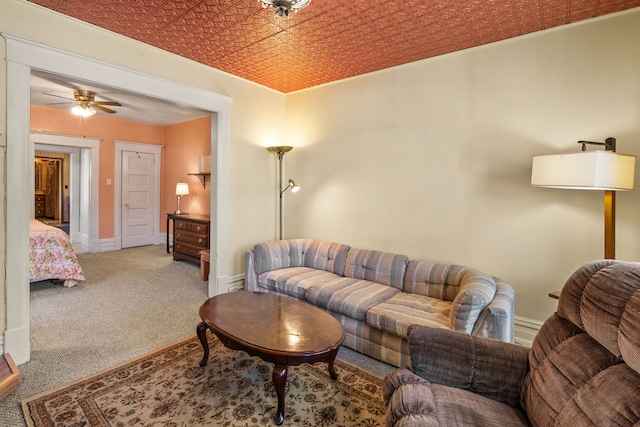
186	249
200	240
195	227
182	224
41	203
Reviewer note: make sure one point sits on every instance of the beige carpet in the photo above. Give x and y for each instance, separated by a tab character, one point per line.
133	301
169	388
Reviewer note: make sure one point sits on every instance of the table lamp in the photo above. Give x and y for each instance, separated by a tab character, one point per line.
182	189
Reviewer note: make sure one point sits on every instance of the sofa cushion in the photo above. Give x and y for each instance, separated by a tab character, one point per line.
328	256
402	310
349	296
380	267
432	279
294	281
311	253
279	254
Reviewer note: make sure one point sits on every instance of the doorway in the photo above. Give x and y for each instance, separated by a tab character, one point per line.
84	159
22	56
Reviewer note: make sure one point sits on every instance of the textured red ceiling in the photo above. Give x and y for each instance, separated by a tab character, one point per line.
329	40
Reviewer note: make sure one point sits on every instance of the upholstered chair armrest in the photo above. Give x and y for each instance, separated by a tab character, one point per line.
492	368
395	379
250	276
497	319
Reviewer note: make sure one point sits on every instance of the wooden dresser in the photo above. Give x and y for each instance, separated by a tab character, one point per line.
41	204
190	236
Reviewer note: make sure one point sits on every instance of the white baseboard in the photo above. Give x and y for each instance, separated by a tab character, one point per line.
107	245
17	342
525	330
236	282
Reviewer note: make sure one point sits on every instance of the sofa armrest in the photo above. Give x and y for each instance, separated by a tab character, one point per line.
497	319
492	368
250	276
477	289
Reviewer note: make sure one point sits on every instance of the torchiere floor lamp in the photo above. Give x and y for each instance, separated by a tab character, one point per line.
280	151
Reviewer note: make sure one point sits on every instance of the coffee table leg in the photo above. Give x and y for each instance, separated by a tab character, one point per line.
279	378
201	329
332	358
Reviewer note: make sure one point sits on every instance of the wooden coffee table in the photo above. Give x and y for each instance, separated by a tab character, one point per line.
279	330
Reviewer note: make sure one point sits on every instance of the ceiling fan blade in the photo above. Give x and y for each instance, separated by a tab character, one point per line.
58	96
106	110
117	104
59	103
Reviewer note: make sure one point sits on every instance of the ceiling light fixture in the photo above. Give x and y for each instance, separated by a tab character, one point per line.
83	110
283	7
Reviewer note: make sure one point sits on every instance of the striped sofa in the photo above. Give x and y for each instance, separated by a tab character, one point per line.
378	295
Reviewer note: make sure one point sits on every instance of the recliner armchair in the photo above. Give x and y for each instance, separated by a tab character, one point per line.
583	368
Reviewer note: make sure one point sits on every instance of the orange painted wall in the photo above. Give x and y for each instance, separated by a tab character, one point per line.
183	143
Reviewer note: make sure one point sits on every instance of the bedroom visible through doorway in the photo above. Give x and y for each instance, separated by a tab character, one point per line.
64	201
52	189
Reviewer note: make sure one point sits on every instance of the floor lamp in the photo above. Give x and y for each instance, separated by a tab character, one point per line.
594	170
280	152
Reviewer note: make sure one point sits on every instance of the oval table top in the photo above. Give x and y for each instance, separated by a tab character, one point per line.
270	323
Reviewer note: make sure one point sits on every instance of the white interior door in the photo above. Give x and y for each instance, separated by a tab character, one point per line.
137	198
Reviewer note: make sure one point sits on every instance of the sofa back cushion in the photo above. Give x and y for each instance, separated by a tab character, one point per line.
585	360
328	256
433	280
380	267
312	253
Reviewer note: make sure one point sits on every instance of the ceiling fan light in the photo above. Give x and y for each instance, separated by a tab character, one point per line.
79	110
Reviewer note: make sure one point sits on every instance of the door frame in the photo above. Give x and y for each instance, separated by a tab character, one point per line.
156	151
84	223
22	56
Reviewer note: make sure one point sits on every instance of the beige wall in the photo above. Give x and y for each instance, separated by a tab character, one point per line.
433	159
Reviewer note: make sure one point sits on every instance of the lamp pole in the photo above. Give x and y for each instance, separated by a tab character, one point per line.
609	204
279	152
610	212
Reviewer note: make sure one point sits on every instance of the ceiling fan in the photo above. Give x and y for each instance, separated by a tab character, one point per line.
86	103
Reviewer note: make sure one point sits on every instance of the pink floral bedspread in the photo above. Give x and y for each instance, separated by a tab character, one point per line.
51	256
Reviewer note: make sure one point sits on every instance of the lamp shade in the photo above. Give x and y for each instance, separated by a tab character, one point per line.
182	189
586	170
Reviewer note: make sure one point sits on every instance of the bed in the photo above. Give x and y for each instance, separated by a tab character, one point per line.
51	256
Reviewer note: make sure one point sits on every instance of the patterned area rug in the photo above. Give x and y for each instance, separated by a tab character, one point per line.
169	388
